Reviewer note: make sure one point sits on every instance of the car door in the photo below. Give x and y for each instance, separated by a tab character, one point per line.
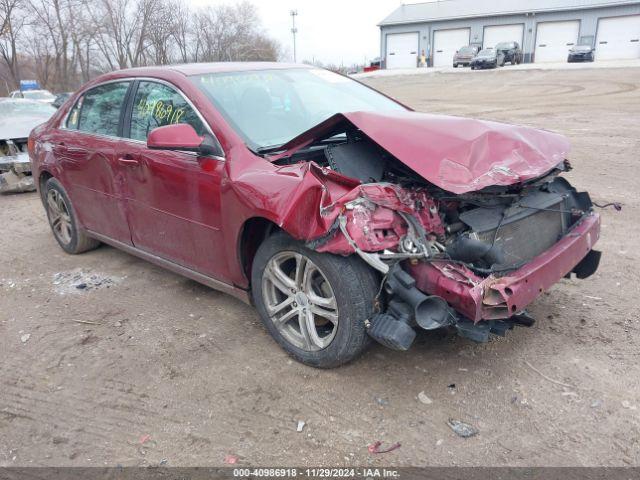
85	148
172	197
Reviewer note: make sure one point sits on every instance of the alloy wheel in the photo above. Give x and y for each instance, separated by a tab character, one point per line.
59	216
300	301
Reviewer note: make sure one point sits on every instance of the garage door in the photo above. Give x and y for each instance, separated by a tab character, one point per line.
554	39
618	38
402	50
502	33
446	43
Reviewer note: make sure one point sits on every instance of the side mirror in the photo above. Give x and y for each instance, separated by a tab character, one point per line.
182	136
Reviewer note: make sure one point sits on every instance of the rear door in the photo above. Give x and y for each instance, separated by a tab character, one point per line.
173	197
86	148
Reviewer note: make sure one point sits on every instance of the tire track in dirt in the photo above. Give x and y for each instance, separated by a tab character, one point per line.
561	89
66	411
99	416
623	88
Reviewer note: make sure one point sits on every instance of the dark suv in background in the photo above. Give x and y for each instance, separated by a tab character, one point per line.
465	55
511	51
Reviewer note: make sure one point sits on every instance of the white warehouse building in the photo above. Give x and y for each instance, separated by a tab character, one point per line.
545	29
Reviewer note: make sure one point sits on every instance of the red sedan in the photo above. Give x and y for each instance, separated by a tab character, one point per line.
341	214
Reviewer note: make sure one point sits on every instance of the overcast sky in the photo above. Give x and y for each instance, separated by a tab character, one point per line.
332	31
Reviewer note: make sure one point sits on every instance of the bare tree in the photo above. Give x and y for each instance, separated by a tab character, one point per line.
12	21
55	30
231	33
66	42
161	33
182	29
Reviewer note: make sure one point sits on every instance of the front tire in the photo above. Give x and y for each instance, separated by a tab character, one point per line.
313	304
63	220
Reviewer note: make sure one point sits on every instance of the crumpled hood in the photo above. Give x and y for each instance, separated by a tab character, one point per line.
456	154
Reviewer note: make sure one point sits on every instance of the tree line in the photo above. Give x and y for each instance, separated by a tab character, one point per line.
64	43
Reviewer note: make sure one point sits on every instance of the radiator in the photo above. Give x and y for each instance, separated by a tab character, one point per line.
522	239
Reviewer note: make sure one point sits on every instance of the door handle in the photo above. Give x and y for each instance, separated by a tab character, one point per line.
128	160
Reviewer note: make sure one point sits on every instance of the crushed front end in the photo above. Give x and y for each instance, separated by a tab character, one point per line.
472	261
472	255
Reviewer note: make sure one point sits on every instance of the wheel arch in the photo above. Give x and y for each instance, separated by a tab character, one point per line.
43	178
252	233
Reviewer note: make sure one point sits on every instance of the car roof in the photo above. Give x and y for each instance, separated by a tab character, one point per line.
189	69
174	72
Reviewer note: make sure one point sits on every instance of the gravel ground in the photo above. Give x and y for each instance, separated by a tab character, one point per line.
138	366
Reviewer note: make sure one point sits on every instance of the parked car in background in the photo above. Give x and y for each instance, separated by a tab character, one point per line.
487	58
511	51
43	96
464	56
580	53
61	98
17	118
337	211
374	65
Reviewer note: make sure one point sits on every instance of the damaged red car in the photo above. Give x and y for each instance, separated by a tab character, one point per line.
340	213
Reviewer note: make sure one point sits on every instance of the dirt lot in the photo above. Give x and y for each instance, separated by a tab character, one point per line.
142	367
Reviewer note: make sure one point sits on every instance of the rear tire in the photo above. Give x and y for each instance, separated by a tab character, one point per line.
313	304
63	220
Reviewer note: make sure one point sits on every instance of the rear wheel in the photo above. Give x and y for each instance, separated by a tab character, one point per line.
313	304
63	220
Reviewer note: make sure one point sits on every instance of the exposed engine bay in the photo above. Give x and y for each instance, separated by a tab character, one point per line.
420	237
15	167
491	231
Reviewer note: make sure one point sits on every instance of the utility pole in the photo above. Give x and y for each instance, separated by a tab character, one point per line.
294	30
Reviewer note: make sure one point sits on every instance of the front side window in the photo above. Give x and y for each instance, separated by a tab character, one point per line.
157	105
98	111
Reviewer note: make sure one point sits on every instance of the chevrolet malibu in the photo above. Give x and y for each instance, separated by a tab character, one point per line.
340	213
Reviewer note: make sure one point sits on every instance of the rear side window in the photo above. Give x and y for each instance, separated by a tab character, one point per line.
98	110
156	105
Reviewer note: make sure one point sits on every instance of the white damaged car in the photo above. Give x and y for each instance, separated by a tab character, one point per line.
17	118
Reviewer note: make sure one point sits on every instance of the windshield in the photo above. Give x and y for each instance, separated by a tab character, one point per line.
505	46
11	108
270	107
581	48
466	50
487	53
38	95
